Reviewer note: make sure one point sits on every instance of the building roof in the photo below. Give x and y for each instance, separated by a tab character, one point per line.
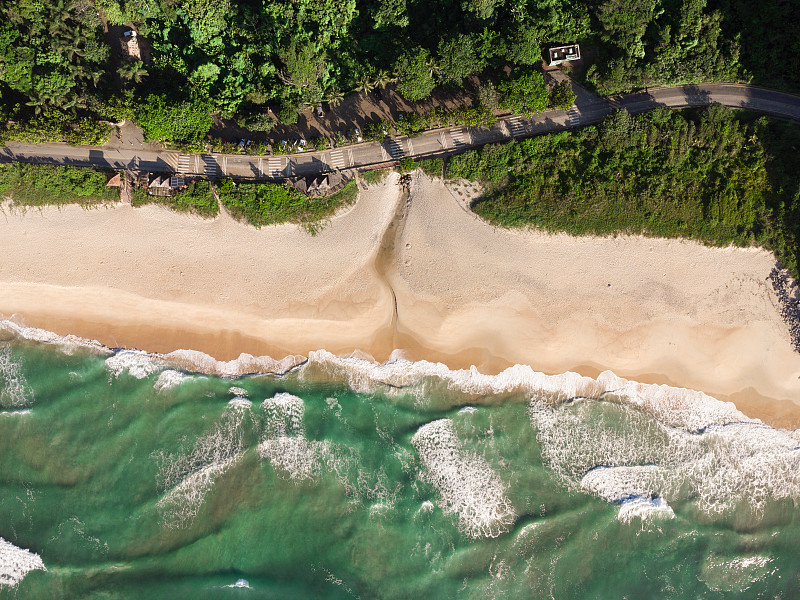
561	54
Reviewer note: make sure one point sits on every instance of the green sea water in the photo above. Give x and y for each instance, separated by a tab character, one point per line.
121	477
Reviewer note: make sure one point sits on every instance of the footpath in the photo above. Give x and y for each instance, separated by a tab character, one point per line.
588	109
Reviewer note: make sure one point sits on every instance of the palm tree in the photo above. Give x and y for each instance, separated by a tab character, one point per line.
132	70
432	66
93	75
364	84
382	79
334	96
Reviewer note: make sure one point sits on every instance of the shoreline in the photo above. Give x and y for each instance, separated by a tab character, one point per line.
422	276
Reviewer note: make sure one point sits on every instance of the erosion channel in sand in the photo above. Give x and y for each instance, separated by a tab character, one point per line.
411	271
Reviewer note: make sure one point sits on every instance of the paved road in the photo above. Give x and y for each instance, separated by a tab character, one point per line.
587	110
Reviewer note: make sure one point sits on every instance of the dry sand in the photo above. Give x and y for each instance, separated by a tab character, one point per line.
422	275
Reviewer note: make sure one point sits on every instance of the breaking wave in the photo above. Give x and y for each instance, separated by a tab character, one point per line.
16	562
285	445
644	509
606	436
625	448
14	389
190	477
466	484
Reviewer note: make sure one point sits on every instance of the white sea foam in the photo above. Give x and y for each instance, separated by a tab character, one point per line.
741	463
16	562
136	363
466	484
736	574
292	457
189	478
238	403
182	503
363	376
284	413
285	445
14	389
682	408
194	360
615	484
11	413
169	379
237	391
644	509
66	343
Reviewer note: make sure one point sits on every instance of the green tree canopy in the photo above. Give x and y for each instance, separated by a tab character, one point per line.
165	120
458	58
524	94
415	70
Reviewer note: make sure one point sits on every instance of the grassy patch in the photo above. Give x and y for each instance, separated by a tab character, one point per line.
271	203
714	175
431	166
373	177
196	199
41	185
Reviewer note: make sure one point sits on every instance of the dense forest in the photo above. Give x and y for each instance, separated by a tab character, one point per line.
716	175
60	76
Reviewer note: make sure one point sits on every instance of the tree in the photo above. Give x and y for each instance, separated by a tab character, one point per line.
256	121
458	58
484	9
487	96
164	120
364	83
524	45
304	71
132	70
390	13
524	94
625	22
382	79
413	70
334	96
562	96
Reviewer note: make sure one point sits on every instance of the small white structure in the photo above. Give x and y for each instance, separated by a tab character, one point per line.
562	54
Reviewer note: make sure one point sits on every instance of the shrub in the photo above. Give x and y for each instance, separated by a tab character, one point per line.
39	185
271	203
197	199
562	96
288	112
164	120
373	177
524	94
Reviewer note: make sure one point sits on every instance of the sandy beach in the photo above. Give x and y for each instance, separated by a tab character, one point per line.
421	275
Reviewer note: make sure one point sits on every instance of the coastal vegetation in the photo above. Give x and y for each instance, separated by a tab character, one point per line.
271	203
374	176
197	198
236	58
41	185
716	175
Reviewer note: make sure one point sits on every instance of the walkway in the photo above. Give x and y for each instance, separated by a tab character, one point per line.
441	142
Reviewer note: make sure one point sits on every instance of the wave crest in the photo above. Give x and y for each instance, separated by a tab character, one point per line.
16	563
467	485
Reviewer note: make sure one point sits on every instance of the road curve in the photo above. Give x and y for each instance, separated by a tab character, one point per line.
587	110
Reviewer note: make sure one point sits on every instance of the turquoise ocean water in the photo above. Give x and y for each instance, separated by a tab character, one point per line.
122	477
